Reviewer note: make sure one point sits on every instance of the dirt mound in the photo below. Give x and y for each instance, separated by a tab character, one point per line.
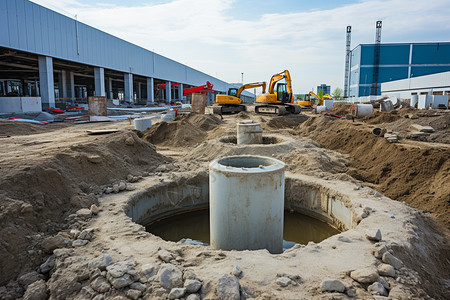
418	175
288	121
184	131
37	194
381	117
341	109
8	128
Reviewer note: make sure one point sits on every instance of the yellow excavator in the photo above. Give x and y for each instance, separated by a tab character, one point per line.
280	101
320	99
232	102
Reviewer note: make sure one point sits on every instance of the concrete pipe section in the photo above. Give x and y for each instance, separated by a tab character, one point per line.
246	203
249	132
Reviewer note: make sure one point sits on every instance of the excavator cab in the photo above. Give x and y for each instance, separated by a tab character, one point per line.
232	92
282	94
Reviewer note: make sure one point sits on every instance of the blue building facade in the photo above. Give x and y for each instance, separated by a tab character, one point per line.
396	61
325	88
46	54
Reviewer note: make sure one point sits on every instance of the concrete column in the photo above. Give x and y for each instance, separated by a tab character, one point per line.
180	92
128	87
71	86
63	84
110	91
150	91
168	92
60	85
208	98
46	81
99	80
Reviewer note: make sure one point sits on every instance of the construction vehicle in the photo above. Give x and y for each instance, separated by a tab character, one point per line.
320	99
232	102
279	101
305	102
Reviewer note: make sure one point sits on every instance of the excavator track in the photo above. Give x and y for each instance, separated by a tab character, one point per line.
271	109
224	109
293	108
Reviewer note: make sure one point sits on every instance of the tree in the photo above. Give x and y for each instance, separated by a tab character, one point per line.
337	94
320	94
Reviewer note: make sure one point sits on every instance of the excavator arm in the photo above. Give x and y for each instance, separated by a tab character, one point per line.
251	85
279	76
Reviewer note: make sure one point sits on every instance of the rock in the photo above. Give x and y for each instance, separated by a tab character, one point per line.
47	265
379	250
228	288
28	278
99	297
27	208
138	286
193	297
133	294
94	209
237	271
62	253
392	260
373	235
120	282
420	128
377	288
120	268
74	233
351	292
86	234
54	242
100	285
386	270
165	255
129	141
384	282
84	213
344	239
192	285
130	187
177	293
64	286
188	274
365	275
170	276
115	188
122	185
100	262
36	291
79	243
95	159
331	285
147	271
109	190
283	281
130	178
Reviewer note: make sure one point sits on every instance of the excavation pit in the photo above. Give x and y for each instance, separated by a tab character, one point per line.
178	211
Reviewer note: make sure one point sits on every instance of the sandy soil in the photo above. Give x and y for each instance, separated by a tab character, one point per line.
50	172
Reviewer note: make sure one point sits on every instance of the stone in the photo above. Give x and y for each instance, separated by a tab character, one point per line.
237	271
120	268
373	235
390	259
379	250
28	278
79	243
36	291
115	188
86	234
377	288
147	271
365	275
344	239
133	294
386	270
109	190
351	292
177	293
62	253
122	185
64	286
100	285
94	209
170	276
283	281
27	208
421	128
47	265
192	285
228	288
332	285
100	262
95	159
138	286
74	233
130	187
188	274
165	255
193	297
54	242
384	282
84	213
120	282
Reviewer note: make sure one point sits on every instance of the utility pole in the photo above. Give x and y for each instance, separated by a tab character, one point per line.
347	63
242	78
376	59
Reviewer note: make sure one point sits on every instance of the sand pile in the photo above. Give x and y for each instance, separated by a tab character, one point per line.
418	175
288	121
37	194
184	131
340	109
381	117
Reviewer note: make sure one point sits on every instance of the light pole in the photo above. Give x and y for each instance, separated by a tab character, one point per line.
242	78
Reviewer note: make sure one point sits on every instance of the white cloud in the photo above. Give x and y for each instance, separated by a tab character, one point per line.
203	34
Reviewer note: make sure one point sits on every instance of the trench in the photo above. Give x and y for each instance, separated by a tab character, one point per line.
178	210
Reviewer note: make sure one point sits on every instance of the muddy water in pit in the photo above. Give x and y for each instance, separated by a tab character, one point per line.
298	228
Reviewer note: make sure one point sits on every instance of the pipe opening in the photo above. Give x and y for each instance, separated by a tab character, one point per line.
246	162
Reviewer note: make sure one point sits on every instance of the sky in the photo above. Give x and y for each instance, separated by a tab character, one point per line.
225	38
